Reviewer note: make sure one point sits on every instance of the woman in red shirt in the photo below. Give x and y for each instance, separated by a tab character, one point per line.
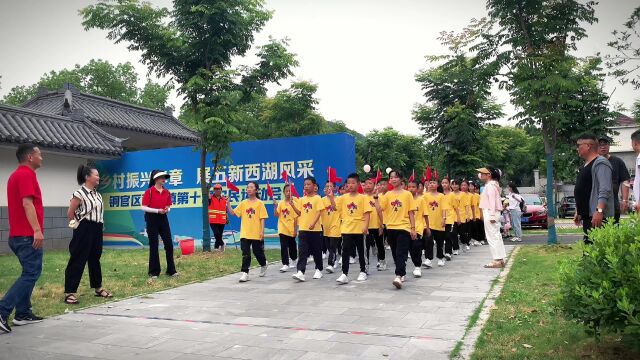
156	204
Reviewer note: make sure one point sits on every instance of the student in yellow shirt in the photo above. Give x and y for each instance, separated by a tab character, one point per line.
331	227
287	212
399	210
355	211
383	188
375	240
475	202
465	228
452	218
436	214
419	244
481	235
252	213
461	213
310	230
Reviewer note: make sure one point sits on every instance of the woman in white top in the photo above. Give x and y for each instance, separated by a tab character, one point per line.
87	210
515	201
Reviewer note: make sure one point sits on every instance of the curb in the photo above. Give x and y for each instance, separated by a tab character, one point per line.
471	337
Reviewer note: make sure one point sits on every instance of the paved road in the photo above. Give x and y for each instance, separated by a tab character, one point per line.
272	318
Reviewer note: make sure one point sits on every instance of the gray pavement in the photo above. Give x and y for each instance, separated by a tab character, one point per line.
273	318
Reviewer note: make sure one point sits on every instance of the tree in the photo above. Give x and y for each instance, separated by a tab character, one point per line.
389	148
98	77
636	110
194	44
292	112
625	63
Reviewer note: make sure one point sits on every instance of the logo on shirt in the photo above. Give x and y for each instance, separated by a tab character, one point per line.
434	205
285	213
396	204
307	207
330	209
352	208
250	212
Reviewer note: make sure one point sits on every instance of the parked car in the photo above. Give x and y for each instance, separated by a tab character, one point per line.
567	207
536	214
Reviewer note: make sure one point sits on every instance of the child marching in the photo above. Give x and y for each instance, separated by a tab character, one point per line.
287	212
310	230
331	228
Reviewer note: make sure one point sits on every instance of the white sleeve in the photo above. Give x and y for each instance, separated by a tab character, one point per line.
149	210
636	181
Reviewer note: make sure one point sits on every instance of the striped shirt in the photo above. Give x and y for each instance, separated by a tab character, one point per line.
91	206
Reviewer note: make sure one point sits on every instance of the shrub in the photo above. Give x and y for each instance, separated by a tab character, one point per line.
601	289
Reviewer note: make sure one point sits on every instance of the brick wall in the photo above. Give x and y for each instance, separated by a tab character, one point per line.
56	232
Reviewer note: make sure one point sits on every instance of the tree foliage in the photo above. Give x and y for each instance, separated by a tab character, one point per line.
389	148
98	77
625	62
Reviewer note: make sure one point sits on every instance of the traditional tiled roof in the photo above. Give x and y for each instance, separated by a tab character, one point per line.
624	120
106	112
55	132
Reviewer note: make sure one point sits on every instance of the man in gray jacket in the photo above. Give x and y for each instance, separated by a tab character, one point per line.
593	191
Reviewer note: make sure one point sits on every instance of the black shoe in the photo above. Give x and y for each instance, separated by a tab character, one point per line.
26	320
4	325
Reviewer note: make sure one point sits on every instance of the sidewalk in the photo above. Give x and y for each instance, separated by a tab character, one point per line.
273	318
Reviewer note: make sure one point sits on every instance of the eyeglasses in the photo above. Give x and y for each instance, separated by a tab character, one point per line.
582	143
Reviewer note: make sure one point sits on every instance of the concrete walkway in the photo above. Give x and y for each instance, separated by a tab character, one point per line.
273	318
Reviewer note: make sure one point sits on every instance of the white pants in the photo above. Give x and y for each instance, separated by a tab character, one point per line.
494	238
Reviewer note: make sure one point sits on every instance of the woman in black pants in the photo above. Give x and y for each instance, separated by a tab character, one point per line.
156	204
85	211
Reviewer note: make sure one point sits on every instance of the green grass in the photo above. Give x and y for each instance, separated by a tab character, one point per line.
525	314
559	230
124	272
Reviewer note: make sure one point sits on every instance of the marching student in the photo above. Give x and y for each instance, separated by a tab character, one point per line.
465	202
422	231
331	227
355	211
456	204
436	215
475	222
399	210
375	240
452	217
287	213
252	213
310	230
480	221
382	189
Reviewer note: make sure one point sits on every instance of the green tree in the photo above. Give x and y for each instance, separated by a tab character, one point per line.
389	148
98	77
194	44
292	112
636	110
625	62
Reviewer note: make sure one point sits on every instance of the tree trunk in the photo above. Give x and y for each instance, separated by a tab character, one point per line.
206	234
549	148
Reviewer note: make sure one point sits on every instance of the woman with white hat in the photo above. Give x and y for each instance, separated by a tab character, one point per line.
491	208
156	204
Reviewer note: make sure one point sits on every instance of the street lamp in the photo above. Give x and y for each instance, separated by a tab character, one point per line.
447	149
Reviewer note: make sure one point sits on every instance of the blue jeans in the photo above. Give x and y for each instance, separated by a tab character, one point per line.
516	221
19	295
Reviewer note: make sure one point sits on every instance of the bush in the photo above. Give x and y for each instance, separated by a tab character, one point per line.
601	289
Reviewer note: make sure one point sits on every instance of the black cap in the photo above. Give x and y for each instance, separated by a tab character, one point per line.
604	139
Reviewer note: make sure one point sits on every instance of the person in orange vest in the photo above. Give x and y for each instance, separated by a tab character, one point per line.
217	216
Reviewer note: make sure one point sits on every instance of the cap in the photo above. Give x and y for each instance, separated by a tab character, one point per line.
483	171
161	174
217	186
604	139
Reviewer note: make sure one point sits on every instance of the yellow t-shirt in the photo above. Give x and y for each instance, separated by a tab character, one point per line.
450	205
385	213
330	219
467	199
374	219
458	203
419	215
352	211
251	214
476	203
310	208
287	217
396	207
435	206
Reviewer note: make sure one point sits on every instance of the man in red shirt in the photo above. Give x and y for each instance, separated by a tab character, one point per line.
26	215
217	216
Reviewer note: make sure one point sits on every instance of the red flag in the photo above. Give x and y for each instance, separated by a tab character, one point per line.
378	177
285	176
294	192
360	189
232	187
389	186
428	173
332	175
269	191
435	173
413	176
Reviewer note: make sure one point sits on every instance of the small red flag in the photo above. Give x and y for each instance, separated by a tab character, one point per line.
333	176
389	187
232	187
378	176
360	189
285	176
428	173
269	191
435	173
294	192
413	176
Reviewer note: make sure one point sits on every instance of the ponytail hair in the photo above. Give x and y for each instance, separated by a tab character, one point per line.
255	183
83	172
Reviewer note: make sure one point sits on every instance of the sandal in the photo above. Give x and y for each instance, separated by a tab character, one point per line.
71	299
103	294
495	265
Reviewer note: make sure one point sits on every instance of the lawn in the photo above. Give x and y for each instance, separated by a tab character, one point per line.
525	324
124	273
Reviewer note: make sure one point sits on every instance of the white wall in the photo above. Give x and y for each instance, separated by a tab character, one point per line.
622	141
57	176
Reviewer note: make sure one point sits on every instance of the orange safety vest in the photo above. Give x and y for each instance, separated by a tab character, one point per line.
217	210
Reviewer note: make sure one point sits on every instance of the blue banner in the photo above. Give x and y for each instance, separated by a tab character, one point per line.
124	181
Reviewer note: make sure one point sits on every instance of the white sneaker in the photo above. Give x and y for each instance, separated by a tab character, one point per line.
263	270
352	260
310	258
330	269
299	276
402	278
292	263
383	265
317	275
427	263
387	247
284	268
483	242
456	252
447	256
417	272
378	265
441	262
397	282
324	256
244	277
467	248
343	279
340	260
362	277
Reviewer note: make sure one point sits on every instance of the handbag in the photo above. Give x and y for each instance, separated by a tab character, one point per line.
73	223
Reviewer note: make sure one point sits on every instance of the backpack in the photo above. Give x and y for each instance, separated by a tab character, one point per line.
523	205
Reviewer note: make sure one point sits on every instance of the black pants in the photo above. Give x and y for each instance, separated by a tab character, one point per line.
158	224
288	248
310	244
616	215
465	233
258	251
85	247
326	243
335	249
455	234
349	241
449	238
586	226
377	240
400	241
417	246
438	237
217	229
479	224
